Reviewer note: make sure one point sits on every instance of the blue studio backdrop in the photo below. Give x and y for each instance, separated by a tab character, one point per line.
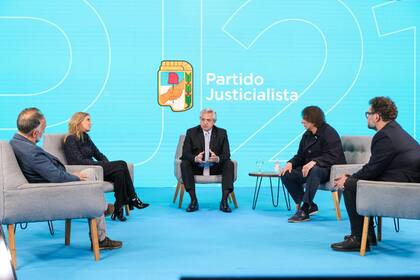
258	63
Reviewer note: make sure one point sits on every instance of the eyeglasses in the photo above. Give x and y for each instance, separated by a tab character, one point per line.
367	114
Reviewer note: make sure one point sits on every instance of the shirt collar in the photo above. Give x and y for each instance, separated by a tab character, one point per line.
205	132
22	138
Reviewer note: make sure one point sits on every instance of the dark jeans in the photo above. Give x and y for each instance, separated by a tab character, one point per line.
356	221
189	169
117	173
294	182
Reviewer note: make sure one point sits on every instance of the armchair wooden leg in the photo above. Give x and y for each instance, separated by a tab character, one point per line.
178	186
127	210
12	245
364	236
336	205
67	232
181	195
232	195
379	228
340	193
94	238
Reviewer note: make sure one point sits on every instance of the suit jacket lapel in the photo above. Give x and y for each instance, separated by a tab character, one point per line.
200	138
213	138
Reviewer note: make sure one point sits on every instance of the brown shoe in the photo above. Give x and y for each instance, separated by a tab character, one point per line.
109	210
351	244
108	244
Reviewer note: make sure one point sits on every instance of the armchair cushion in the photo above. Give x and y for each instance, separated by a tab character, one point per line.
388	199
95	171
53	201
10	172
356	148
53	143
338	170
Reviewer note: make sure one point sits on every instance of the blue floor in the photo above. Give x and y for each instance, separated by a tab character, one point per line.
164	242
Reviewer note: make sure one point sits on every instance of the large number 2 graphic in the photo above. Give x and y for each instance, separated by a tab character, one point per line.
382	14
336	49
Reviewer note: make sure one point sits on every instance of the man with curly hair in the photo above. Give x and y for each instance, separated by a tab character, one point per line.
319	149
395	157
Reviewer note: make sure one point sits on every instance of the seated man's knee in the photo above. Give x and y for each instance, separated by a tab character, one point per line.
122	165
229	164
350	185
286	177
185	164
227	167
316	170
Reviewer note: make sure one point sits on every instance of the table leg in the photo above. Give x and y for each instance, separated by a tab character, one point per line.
275	203
286	196
256	192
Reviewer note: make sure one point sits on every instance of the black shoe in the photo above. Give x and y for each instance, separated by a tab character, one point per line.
135	202
299	216
109	210
351	244
224	207
313	209
371	238
108	244
193	206
118	214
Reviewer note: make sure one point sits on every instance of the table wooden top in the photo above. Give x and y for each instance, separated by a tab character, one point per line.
264	174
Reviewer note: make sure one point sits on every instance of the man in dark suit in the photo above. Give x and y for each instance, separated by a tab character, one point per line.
395	157
319	149
206	152
38	166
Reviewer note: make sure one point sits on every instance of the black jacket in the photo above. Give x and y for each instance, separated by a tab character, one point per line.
395	157
324	147
82	152
194	143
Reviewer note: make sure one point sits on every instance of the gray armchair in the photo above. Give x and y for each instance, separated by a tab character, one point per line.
357	153
386	199
22	202
53	143
199	179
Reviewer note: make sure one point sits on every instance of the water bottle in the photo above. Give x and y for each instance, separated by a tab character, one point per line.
277	167
260	164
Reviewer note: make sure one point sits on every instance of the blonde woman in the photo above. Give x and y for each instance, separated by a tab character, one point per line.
79	149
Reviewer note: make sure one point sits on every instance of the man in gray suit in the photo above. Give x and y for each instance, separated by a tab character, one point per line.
38	166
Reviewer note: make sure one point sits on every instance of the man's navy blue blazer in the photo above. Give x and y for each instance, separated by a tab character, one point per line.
395	157
37	165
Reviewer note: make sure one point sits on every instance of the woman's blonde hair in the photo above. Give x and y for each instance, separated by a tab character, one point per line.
74	124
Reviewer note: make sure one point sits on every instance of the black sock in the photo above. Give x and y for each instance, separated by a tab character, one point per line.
225	196
192	195
305	207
